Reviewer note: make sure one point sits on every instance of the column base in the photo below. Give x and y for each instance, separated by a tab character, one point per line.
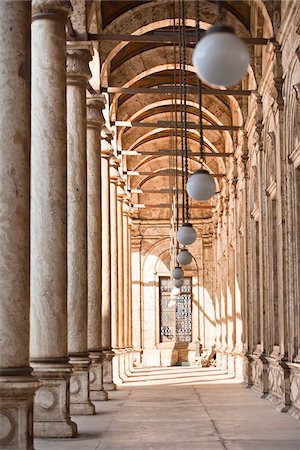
97	392
116	367
52	401
99	395
16	409
79	387
108	383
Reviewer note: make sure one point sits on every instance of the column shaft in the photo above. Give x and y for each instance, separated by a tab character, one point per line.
95	122
77	75
17	386
48	342
108	383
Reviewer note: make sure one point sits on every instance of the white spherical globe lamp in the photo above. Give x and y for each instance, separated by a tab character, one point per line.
177	273
178	283
201	185
184	257
175	291
221	57
186	235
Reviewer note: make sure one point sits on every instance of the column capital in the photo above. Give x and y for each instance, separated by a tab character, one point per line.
114	169
121	194
106	148
79	54
56	9
94	106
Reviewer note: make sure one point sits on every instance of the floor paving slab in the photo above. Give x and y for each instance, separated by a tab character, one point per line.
181	409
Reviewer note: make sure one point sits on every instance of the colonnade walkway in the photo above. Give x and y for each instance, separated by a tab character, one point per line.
181	408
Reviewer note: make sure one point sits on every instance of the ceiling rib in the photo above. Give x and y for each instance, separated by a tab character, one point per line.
173	153
164	38
166	172
171	124
172	90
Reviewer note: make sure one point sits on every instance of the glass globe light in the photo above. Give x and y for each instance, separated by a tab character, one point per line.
175	291
178	283
201	185
186	234
177	273
184	257
221	57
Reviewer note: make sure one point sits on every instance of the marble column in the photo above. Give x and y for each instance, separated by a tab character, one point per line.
136	296
48	315
106	152
126	281
78	73
121	341
130	323
95	121
17	385
114	178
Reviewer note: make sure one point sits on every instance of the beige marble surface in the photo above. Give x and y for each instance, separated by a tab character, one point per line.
114	264
120	196
48	184
77	75
94	123
14	187
106	248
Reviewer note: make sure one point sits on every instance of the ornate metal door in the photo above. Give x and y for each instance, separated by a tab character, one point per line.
175	314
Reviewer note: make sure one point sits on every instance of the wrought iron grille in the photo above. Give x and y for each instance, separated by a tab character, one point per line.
175	315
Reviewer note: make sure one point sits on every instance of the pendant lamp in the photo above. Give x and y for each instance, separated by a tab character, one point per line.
186	234
184	257
177	273
201	185
178	283
220	57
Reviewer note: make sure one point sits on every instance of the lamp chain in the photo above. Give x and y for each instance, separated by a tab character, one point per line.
199	88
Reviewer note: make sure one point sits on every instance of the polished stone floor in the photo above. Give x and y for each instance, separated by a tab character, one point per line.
181	408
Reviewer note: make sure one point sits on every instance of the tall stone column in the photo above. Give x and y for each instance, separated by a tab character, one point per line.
136	296
130	324
48	336
114	178
126	281
17	386
106	151
121	341
78	72
95	121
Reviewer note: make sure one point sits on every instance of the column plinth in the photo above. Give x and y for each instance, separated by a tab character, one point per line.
95	121
48	337
79	386
78	73
97	391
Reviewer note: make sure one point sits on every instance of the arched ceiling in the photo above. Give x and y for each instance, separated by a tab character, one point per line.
141	115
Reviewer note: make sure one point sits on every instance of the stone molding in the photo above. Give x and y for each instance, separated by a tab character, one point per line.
55	9
78	58
94	106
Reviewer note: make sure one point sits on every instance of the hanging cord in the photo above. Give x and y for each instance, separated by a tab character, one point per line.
186	171
199	89
181	106
176	124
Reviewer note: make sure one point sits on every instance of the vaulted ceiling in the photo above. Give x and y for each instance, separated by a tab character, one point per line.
150	59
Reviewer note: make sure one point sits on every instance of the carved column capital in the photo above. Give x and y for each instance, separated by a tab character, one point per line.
94	106
56	9
78	58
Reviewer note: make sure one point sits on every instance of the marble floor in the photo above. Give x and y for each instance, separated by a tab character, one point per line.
181	408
